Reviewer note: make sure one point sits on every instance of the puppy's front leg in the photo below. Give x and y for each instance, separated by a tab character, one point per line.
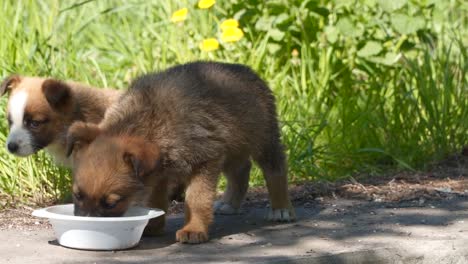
158	199
199	199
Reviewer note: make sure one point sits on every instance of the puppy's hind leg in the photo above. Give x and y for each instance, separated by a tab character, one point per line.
272	161
237	174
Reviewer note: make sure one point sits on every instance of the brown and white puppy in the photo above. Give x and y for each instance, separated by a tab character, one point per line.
40	110
185	125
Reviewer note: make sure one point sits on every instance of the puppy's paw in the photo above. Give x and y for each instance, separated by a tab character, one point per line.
191	236
281	215
223	208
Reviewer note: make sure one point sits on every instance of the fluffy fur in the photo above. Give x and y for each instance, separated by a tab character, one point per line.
185	125
40	110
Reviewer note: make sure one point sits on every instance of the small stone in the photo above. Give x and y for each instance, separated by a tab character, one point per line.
421	201
444	190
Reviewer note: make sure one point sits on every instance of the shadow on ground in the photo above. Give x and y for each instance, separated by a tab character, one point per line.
415	229
327	231
332	231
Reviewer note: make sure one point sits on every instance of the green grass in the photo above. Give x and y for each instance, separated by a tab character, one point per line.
345	106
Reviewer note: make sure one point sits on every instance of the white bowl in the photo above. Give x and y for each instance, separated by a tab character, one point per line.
97	233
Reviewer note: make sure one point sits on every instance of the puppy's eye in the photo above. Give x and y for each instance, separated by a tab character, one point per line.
34	124
109	206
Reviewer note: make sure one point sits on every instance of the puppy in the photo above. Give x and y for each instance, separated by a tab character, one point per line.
40	111
186	126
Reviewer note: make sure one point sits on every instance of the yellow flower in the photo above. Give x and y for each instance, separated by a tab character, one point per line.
229	23
179	15
231	34
209	44
205	4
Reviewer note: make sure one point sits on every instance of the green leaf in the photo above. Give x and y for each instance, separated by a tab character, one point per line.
380	34
345	3
273	47
331	33
370	3
370	49
392	5
405	24
263	24
389	59
276	34
281	19
348	28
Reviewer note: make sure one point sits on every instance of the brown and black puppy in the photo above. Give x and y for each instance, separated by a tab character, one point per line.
185	125
40	110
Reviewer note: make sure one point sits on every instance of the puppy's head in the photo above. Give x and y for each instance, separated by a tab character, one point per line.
108	171
37	109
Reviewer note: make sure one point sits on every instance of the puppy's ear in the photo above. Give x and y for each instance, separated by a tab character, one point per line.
81	134
57	93
141	156
9	83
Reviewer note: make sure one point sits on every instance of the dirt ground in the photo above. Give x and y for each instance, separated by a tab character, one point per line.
445	180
